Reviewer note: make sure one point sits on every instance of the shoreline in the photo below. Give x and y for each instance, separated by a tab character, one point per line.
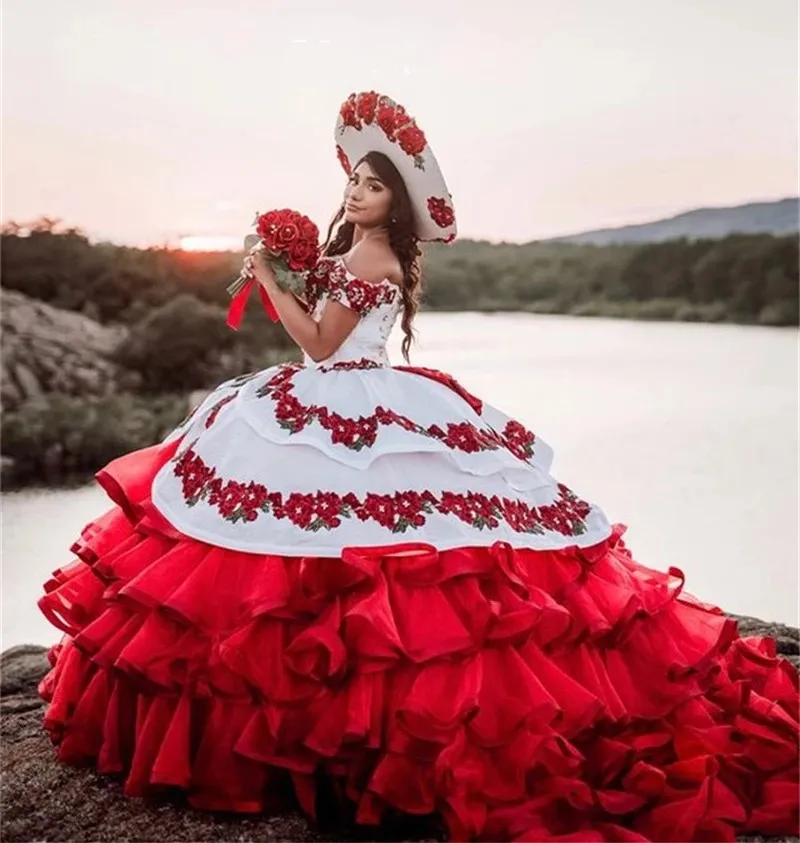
627	312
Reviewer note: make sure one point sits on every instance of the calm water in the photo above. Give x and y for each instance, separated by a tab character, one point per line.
686	433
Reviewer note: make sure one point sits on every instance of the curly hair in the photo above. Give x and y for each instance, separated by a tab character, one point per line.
402	240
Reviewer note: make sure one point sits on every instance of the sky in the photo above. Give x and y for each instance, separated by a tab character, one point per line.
142	121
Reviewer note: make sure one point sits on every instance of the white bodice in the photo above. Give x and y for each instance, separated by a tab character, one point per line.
378	304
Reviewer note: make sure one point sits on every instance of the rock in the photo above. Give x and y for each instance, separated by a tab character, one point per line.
46	800
45	349
27	381
89	380
787	637
21	668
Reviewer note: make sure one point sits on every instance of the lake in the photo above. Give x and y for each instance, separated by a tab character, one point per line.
686	433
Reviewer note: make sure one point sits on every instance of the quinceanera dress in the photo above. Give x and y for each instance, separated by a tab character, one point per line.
362	573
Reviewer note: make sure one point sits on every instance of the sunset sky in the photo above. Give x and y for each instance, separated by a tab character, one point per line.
141	121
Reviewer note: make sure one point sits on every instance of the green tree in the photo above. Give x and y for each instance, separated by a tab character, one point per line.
176	346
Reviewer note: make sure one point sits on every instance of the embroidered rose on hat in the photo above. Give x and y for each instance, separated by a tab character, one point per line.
441	213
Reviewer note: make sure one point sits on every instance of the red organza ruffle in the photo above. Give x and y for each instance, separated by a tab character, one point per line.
524	695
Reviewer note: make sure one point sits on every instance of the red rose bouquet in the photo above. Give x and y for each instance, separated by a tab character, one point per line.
291	243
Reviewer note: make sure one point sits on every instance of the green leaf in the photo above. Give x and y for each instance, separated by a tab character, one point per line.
287	279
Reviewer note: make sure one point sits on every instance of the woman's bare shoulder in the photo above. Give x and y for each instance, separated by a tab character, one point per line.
374	261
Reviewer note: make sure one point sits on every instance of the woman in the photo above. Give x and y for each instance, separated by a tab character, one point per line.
361	579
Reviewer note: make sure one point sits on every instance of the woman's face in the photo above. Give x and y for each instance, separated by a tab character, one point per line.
367	200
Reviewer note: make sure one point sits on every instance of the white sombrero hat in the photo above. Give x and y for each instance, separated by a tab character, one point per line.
372	122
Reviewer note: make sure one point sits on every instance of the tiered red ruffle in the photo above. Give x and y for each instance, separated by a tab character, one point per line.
524	695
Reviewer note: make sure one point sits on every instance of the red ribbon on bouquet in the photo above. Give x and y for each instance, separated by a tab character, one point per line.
239	303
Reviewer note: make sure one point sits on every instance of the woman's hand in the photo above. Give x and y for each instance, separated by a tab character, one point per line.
260	268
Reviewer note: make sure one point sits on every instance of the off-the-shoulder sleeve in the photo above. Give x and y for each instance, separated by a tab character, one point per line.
357	294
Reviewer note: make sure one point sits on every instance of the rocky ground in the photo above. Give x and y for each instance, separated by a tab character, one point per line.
46	349
44	800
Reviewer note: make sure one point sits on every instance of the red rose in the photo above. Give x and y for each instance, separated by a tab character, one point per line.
286	235
380	508
299	509
299	255
367	103
266	227
386	120
411	139
401	117
441	213
348	112
309	231
291	218
343	160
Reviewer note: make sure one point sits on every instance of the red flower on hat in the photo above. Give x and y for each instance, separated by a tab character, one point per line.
395	122
386	119
367	105
411	139
343	159
441	213
401	116
348	112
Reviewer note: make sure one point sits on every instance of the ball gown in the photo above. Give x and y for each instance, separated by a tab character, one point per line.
361	575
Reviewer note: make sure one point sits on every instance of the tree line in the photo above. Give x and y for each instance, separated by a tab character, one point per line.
749	279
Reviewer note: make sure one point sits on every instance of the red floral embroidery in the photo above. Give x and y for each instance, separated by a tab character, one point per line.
330	277
343	159
236	501
367	103
519	440
362	432
212	416
348	112
394	121
441	213
386	120
316	282
362	296
350	365
464	436
411	140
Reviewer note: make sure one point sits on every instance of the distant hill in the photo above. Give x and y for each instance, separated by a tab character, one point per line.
779	217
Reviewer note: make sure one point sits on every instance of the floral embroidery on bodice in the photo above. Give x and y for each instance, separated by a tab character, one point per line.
377	303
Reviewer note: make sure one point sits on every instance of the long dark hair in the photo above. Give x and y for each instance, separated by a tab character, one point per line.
402	239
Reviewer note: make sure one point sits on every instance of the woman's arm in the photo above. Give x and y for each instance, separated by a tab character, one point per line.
318	339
